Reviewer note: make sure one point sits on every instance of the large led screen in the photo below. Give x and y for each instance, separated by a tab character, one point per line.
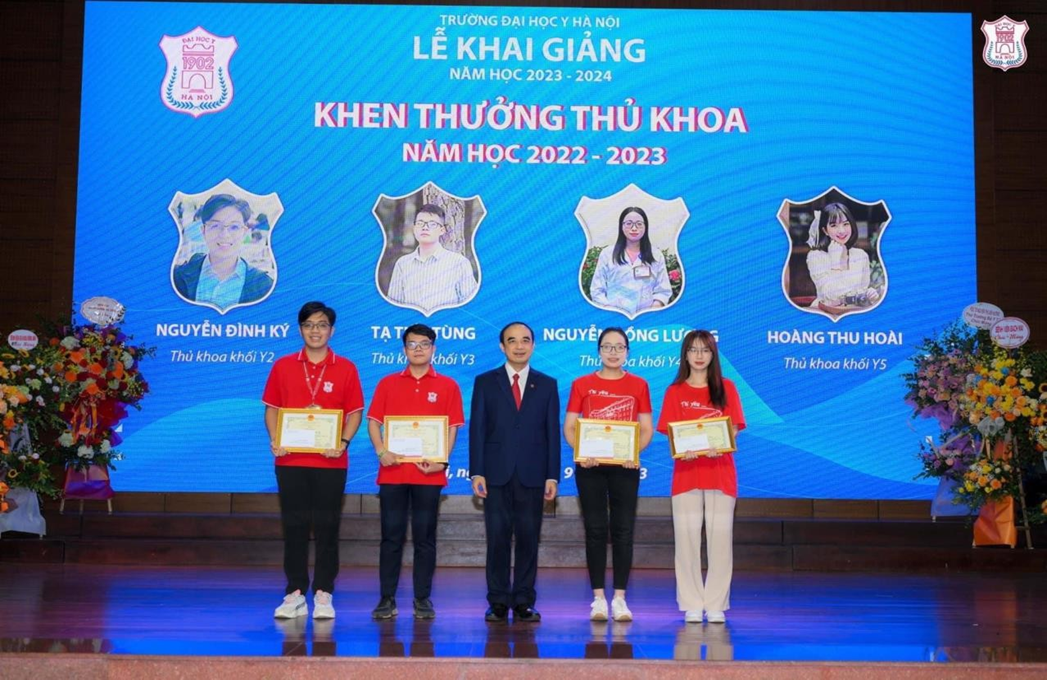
743	138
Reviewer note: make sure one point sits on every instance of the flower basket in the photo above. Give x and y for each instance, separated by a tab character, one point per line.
990	402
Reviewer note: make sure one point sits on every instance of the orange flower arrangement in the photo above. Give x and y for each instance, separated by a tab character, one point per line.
1000	407
101	365
13	398
987	479
998	392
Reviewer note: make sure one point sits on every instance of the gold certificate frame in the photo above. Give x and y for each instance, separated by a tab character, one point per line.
417	438
608	442
309	430
702	435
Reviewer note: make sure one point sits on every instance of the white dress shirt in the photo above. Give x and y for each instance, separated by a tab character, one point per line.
441	279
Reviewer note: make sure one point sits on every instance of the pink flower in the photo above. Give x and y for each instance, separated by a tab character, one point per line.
674	275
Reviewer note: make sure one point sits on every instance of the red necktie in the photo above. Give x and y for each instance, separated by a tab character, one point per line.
516	390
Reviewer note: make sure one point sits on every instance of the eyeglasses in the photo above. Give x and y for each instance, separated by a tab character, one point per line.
613	349
699	350
231	228
322	326
414	344
630	224
432	225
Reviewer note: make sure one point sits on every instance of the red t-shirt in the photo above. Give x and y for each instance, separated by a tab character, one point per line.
337	385
622	399
683	402
401	394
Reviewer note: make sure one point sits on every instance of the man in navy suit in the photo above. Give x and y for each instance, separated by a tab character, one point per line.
514	461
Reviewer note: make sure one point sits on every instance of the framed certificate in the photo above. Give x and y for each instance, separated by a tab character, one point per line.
309	430
608	442
701	435
417	438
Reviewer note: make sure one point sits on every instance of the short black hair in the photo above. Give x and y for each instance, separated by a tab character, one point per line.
220	202
433	209
310	308
419	329
501	336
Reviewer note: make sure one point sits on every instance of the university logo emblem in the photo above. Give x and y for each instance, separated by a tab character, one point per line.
432	397
632	262
197	80
1005	43
328	386
834	265
429	260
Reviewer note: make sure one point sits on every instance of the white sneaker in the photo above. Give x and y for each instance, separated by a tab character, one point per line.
620	610
599	609
293	606
716	617
323	605
693	616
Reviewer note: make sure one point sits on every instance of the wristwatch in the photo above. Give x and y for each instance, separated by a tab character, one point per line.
345	442
381	453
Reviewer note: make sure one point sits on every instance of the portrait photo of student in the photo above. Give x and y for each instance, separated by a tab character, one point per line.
834	266
428	262
224	258
631	264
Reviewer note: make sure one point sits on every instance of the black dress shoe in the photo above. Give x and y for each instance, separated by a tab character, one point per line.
497	613
524	614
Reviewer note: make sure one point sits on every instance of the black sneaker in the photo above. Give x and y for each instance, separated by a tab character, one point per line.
386	609
423	609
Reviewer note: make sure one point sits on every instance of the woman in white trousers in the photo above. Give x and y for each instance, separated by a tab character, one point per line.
705	484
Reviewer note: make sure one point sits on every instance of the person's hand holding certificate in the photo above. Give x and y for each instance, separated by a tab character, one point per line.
690	439
607	442
417	438
304	430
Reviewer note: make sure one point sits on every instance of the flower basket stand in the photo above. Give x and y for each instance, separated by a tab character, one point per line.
89	484
996	519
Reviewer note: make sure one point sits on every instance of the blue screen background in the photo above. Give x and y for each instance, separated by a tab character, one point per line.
831	99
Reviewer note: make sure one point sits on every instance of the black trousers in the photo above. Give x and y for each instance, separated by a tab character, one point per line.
513	509
599	489
310	498
422	503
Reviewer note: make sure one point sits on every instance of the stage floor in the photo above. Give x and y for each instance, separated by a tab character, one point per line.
797	616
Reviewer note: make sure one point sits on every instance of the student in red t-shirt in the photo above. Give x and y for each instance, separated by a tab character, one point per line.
311	485
609	394
411	488
705	485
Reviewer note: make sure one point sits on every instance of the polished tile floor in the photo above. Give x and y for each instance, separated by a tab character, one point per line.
795	616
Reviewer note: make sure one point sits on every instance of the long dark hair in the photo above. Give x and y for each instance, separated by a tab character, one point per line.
715	376
646	254
835	213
